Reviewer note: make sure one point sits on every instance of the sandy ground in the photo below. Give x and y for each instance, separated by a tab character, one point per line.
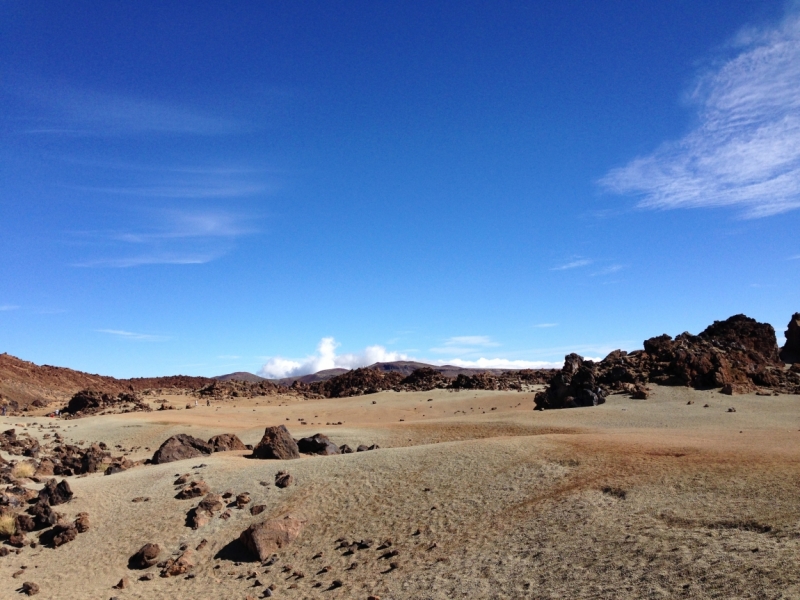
632	499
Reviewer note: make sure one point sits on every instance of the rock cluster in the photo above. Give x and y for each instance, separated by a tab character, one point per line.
738	355
575	385
89	402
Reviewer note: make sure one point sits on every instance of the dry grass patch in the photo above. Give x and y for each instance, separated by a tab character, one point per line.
23	470
8	526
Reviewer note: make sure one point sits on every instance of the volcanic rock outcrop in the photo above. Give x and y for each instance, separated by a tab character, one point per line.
790	353
738	355
88	402
575	385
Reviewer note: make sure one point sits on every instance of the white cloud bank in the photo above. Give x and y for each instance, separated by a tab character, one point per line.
326	358
745	150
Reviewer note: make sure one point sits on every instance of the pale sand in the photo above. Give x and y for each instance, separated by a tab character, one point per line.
515	502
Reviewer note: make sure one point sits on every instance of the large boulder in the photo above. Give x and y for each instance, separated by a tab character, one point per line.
790	353
317	444
226	442
573	386
277	443
266	538
180	447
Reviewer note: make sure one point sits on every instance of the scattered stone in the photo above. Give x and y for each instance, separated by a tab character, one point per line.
141	499
180	447
147	577
179	566
63	533
277	443
264	539
345	449
242	500
203	543
146	557
124	583
283	479
731	409
30	588
193	490
257	509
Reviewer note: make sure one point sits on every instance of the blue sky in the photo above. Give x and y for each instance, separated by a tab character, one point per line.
295	186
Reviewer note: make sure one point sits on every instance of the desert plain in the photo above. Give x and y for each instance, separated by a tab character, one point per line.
478	495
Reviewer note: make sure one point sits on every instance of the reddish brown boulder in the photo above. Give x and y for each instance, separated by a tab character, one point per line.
226	442
790	353
30	588
266	538
146	557
63	533
180	447
82	523
277	443
202	514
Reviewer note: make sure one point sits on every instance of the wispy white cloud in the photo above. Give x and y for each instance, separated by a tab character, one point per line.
148	259
464	344
546	325
796	257
69	110
185	237
129	335
326	358
745	150
4	307
608	270
574	264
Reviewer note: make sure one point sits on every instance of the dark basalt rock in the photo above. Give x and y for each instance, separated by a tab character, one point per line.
790	353
317	444
180	447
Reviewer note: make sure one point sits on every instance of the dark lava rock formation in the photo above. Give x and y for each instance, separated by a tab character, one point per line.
738	355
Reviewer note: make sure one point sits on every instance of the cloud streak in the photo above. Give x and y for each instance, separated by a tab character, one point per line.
745	150
129	335
184	237
5	307
575	264
77	111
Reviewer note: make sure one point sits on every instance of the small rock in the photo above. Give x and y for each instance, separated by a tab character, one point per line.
123	584
30	588
283	479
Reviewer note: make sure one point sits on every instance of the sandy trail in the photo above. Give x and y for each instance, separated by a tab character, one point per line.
632	499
